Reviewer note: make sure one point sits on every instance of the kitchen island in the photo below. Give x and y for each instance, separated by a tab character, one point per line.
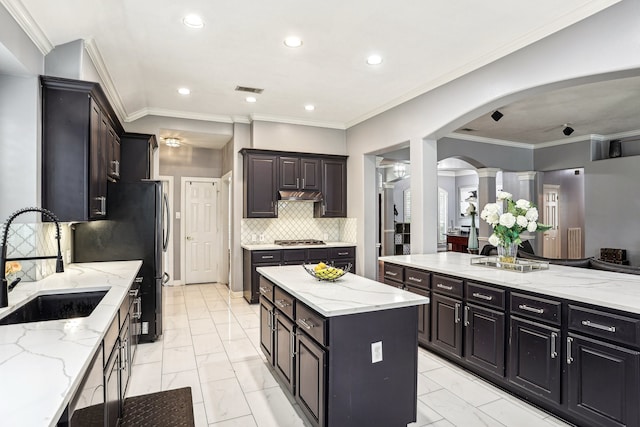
43	363
347	350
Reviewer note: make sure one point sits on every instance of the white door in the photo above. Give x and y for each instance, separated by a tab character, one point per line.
201	236
551	242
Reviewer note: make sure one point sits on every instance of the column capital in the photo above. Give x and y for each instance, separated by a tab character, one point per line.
526	176
488	172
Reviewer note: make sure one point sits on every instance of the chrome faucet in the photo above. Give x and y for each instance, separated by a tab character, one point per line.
4	288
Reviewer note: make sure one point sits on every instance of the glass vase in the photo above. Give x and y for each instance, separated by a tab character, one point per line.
472	242
507	254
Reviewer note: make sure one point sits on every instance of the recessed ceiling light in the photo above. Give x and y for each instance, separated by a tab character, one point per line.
309	107
184	91
374	60
172	142
250	99
293	41
193	21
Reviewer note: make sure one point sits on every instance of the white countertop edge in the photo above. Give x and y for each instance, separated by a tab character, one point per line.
319	295
61	348
618	291
273	246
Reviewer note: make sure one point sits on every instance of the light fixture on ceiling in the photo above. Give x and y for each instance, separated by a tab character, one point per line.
568	130
193	21
172	142
251	99
293	41
496	115
400	170
374	60
184	91
309	107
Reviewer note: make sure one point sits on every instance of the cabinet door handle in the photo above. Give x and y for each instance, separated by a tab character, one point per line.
599	326
343	253
293	344
103	205
138	312
466	315
282	303
554	353
457	313
569	355
133	292
266	256
269	320
483	296
304	324
265	291
531	309
414	279
274	322
445	287
324	209
118	168
390	273
303	183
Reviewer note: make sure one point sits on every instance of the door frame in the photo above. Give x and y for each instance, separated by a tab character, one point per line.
224	212
558	242
171	261
183	205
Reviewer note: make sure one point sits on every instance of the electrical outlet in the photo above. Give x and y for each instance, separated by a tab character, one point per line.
262	237
376	352
254	238
326	237
177	215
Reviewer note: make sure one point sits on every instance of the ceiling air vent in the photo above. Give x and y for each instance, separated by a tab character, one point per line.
249	89
467	130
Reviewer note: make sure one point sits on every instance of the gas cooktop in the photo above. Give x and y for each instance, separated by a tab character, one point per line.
298	242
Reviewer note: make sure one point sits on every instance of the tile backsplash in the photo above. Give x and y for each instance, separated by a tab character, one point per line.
295	222
28	240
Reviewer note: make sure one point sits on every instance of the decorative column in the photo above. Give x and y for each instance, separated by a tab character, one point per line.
388	220
486	194
528	181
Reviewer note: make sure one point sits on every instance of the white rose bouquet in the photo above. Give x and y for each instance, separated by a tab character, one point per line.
519	216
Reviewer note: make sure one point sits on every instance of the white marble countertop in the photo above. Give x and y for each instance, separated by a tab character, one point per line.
607	289
42	363
271	246
348	295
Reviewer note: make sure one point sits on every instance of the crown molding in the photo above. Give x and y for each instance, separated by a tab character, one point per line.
24	19
177	114
485	140
296	121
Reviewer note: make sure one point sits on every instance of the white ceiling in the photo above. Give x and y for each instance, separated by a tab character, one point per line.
148	53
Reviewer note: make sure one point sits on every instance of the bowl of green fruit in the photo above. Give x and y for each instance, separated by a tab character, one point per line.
326	272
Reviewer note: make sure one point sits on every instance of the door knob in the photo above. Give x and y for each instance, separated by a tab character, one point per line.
189	238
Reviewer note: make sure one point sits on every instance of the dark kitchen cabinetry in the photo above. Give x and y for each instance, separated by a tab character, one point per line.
260	185
334	189
299	173
446	312
311	368
136	156
80	141
251	278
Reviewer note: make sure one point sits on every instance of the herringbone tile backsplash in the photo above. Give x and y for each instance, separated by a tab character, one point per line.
295	222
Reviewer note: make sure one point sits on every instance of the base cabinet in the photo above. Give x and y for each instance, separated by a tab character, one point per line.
311	375
484	338
284	353
446	327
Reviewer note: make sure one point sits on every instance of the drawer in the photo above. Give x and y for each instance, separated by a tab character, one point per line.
311	323
294	255
266	288
394	272
266	256
485	295
393	283
447	285
417	278
536	308
614	327
315	255
284	302
337	253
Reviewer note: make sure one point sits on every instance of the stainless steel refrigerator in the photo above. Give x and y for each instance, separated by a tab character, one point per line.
134	229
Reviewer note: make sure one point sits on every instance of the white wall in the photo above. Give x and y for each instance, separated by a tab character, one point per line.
288	137
605	43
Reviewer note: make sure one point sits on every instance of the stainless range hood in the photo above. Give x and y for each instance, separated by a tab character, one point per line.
302	195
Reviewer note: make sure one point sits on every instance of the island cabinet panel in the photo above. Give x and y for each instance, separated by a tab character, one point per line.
534	358
266	328
484	338
424	322
283	355
311	371
446	327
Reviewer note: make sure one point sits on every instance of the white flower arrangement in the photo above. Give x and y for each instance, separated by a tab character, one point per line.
471	210
520	216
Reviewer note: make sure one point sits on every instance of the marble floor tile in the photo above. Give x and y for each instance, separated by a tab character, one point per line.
198	313
200	415
207	343
254	375
184	379
224	400
246	421
149	352
427	363
238	350
176	338
179	321
174	309
223	317
202	326
509	413
270	408
145	378
425	416
231	331
463	387
248	321
178	359
456	410
214	367
426	385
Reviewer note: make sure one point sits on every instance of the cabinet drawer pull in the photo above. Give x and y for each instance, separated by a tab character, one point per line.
297	182
531	309
265	291
598	326
415	279
282	303
483	296
466	316
569	355
457	313
445	287
304	324
554	352
390	273
303	184
293	344
133	292
266	256
343	253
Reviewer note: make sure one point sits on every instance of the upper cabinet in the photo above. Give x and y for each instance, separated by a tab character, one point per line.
80	148
267	172
137	153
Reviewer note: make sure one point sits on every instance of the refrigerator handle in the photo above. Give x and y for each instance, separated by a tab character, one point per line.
165	243
165	278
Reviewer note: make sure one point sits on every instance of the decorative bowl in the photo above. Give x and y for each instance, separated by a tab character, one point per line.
327	274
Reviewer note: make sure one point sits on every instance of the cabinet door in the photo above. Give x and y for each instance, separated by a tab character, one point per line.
125	358
310	174
289	168
113	151
266	328
534	358
112	388
311	378
423	315
260	186
97	173
484	338
284	350
446	324
334	189
603	382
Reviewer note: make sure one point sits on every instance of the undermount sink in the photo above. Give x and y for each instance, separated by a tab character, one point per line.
55	307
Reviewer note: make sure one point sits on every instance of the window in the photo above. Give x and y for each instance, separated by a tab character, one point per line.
443	208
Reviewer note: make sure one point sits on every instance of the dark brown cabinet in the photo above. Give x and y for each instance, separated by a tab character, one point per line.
311	374
136	156
284	353
484	338
79	140
334	189
446	325
251	278
299	173
260	184
423	315
266	328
